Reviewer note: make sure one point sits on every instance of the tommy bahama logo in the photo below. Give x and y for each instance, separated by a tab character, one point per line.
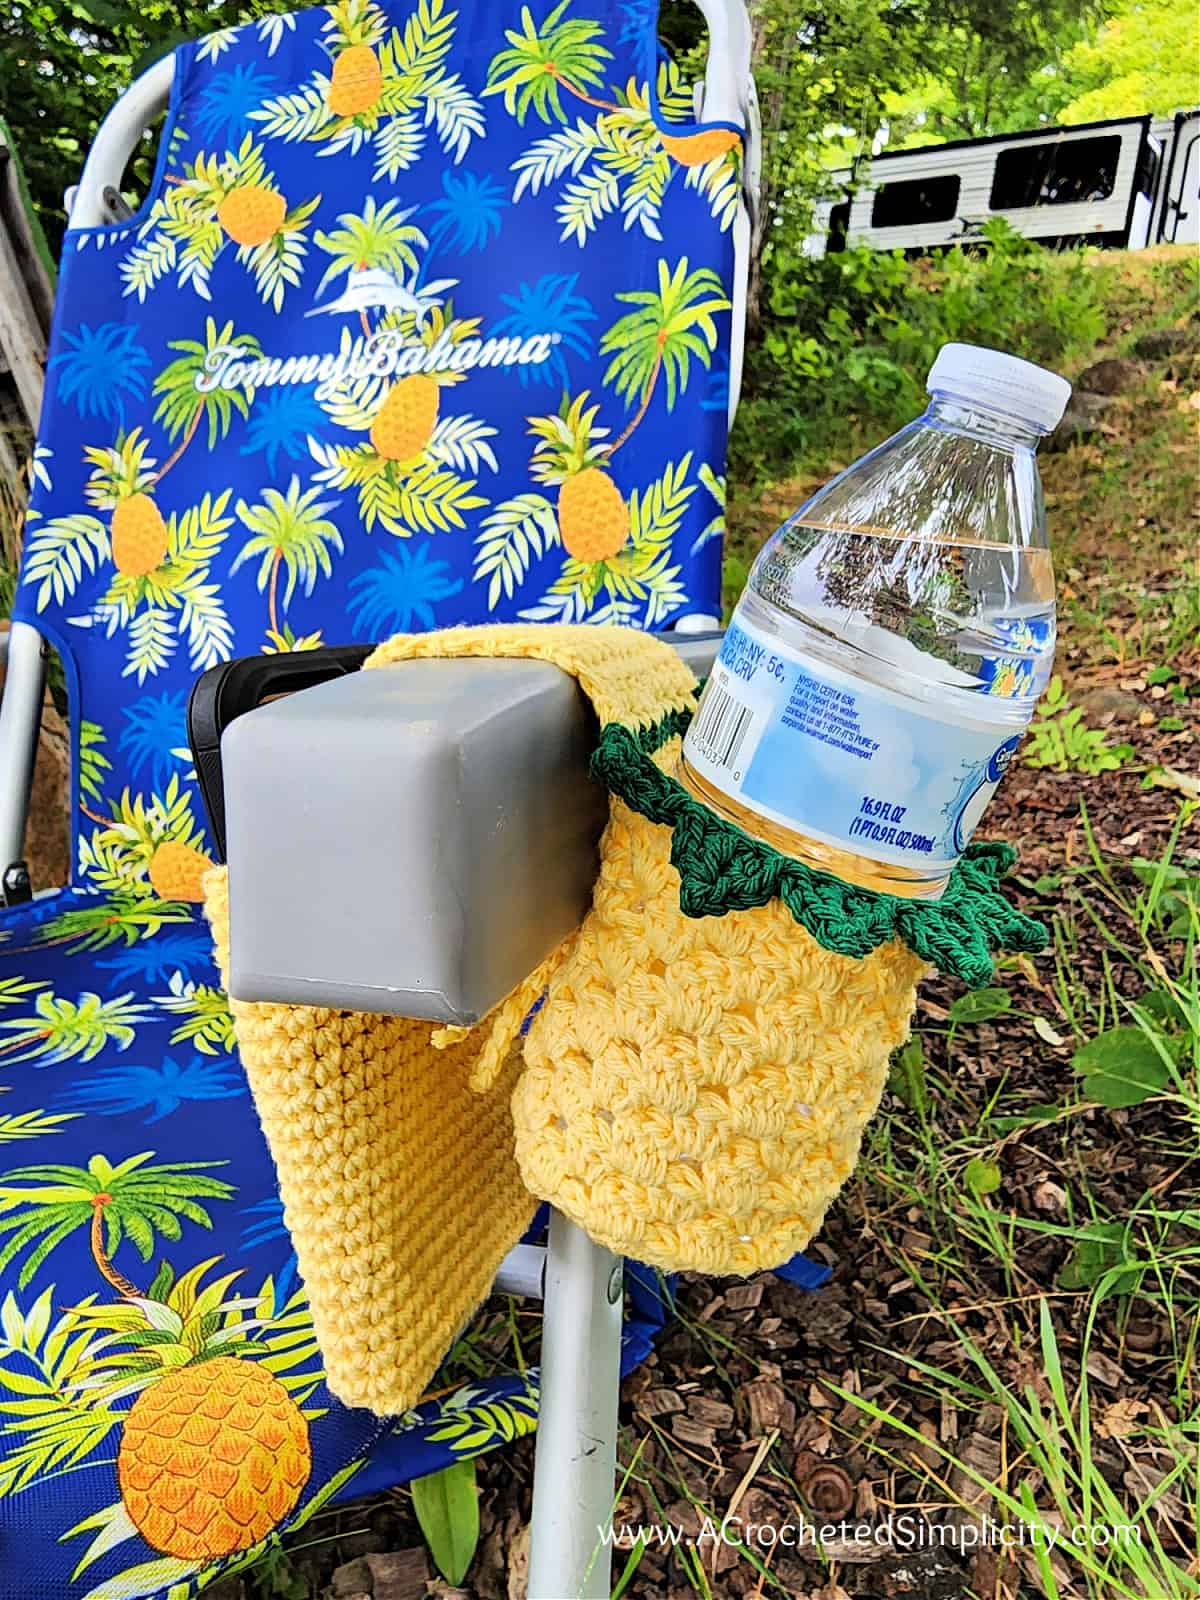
386	353
382	355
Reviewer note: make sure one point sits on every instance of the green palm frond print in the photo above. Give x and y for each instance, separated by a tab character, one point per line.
58	1029
470	1429
563	53
621	161
426	319
384	87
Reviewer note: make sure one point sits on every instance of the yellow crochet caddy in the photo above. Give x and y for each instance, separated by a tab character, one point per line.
694	1086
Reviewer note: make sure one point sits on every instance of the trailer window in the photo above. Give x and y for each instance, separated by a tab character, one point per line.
1064	173
911	201
1148	168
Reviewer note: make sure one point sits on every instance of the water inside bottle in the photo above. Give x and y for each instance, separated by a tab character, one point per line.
961	631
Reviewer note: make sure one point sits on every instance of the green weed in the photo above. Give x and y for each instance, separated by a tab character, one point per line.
847	340
1059	739
446	1504
1083	1531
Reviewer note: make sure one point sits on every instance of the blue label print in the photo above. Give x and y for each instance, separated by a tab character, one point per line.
998	765
976	787
841	760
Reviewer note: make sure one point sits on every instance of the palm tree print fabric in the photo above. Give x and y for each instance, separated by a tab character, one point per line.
426	320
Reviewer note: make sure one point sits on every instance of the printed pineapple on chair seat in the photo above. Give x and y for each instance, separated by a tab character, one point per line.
426	319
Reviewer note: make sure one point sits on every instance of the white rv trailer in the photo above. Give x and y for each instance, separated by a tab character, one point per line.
1125	184
1177	214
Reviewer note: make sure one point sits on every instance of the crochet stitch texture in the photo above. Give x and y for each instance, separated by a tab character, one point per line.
694	1087
399	1186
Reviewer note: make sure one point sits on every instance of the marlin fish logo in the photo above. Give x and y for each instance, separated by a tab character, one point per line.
376	286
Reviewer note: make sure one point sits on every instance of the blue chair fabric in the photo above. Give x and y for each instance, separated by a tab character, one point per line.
425	320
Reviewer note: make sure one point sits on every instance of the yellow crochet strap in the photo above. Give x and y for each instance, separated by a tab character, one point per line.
399	1185
629	677
500	1027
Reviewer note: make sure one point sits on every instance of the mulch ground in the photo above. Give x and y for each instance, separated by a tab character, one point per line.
750	1361
744	1405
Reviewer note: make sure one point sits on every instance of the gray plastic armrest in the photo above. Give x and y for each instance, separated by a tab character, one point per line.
412	840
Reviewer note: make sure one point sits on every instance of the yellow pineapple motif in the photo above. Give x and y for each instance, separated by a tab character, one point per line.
121	480
149	846
403	426
214	1451
212	1457
592	515
593	518
139	536
217	198
790	1040
252	213
406	420
698	149
356	83
176	871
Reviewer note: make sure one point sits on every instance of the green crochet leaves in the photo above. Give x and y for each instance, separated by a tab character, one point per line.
722	869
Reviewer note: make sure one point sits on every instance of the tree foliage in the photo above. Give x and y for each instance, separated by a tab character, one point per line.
836	82
1143	59
831	75
993	69
64	62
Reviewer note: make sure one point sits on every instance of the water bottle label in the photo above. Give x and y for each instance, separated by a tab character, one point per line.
840	760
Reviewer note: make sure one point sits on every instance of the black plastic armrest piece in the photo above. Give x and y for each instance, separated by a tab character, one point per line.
224	693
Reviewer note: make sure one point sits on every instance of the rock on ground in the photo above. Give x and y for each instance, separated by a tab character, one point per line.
1117	375
1083	419
1163	343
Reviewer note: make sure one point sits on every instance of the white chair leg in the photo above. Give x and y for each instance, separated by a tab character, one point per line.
20	716
576	1455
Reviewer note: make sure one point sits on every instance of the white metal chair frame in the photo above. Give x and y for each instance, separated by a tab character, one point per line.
579	1282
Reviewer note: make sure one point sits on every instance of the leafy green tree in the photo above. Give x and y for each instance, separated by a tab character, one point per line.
559	51
64	62
131	1200
71	1030
987	70
671	324
182	406
1143	59
292	532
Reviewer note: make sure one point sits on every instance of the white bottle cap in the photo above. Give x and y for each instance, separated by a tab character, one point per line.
1001	383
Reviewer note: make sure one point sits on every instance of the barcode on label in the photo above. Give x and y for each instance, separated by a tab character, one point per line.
722	725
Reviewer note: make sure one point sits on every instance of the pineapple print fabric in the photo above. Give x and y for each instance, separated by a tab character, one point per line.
424	320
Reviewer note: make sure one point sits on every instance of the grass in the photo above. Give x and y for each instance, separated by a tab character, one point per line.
1115	1267
1050	1482
1039	1251
1005	1202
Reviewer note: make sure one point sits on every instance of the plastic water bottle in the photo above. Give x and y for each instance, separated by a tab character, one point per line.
892	641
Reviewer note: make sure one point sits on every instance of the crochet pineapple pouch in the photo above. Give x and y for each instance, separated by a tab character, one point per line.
716	1036
692	1091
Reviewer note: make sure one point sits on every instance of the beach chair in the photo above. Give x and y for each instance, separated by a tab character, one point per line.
432	314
